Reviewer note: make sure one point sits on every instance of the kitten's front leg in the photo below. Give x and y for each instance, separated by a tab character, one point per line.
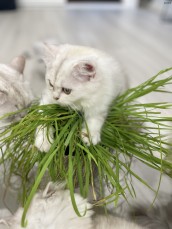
44	136
94	125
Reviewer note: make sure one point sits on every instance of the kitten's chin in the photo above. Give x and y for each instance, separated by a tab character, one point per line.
61	103
67	104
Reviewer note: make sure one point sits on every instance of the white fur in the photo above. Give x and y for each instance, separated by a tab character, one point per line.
52	209
113	222
14	94
93	89
14	91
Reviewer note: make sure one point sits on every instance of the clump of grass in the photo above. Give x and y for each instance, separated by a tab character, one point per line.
126	131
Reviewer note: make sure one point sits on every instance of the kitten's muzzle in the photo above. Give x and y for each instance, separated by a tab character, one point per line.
56	98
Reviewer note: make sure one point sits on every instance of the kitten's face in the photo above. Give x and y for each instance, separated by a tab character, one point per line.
71	74
14	92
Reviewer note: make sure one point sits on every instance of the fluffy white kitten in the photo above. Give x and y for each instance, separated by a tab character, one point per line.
14	91
52	209
84	79
14	94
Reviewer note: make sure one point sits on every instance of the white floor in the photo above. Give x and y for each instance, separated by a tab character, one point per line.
139	38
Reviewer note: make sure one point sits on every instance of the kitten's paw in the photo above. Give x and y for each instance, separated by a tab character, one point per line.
93	138
15	182
85	137
42	142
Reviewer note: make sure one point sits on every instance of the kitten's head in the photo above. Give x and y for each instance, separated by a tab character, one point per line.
74	74
52	208
14	91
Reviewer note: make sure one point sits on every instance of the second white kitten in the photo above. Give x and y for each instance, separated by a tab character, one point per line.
52	209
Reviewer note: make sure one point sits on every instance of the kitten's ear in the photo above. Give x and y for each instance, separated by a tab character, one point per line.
49	190
18	63
49	53
84	71
3	97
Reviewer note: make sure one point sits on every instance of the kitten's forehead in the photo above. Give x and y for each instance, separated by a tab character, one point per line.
78	50
73	53
60	72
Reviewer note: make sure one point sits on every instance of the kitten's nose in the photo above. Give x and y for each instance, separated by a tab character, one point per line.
56	98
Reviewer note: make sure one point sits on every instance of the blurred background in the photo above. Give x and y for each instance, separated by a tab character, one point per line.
137	32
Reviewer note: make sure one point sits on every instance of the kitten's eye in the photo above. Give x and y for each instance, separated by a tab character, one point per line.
51	85
67	91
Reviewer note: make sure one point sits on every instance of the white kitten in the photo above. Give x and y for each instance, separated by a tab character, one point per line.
52	209
84	79
14	91
14	95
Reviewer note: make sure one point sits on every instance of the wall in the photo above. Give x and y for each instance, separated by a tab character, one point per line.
50	3
40	3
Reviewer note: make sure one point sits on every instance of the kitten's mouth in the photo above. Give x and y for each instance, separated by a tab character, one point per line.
28	105
13	118
62	104
59	103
